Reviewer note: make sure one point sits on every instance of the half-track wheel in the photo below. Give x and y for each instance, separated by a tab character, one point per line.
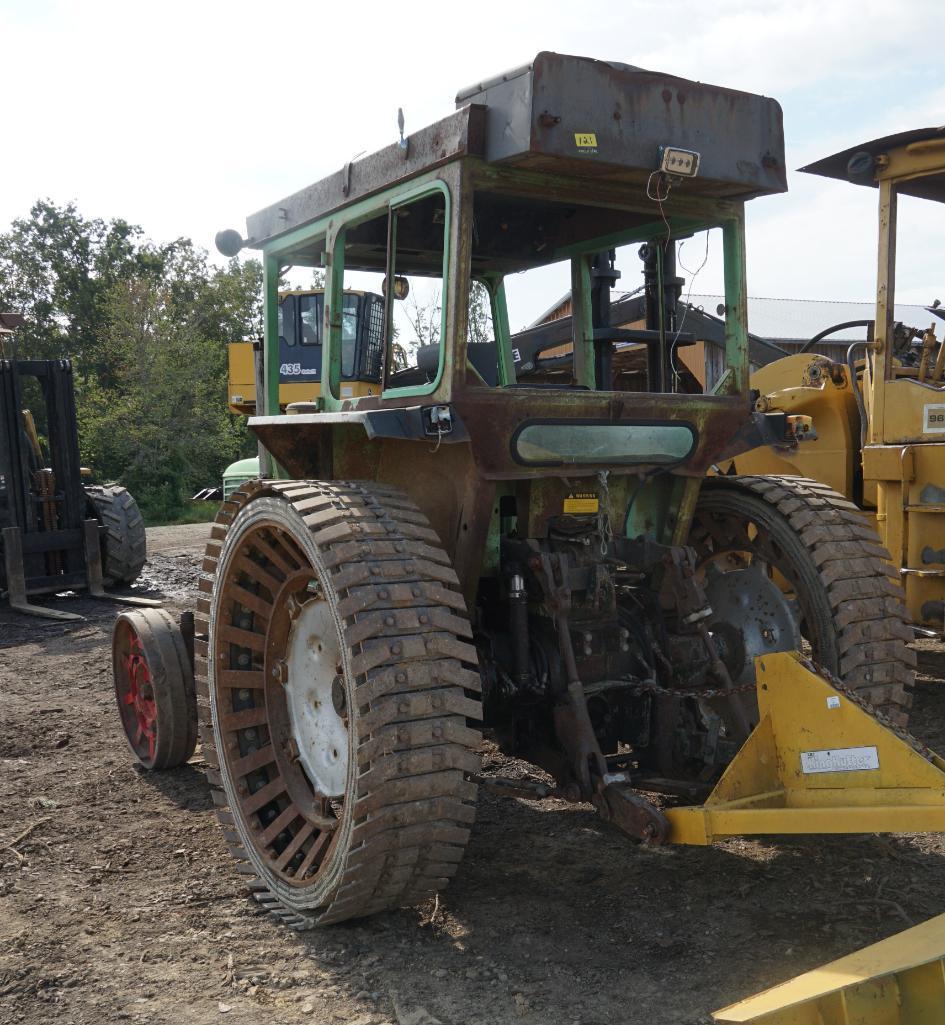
124	547
154	687
338	698
797	545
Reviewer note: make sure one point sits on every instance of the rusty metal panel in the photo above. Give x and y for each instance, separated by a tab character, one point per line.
489	417
575	115
459	135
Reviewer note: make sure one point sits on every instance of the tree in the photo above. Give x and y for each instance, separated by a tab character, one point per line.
424	320
147	327
57	268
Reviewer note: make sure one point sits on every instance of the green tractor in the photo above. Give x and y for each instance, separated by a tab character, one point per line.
545	560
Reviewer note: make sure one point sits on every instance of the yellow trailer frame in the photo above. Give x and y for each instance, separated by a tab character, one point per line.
817	762
898	981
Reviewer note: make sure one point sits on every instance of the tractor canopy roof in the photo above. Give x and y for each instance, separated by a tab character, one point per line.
573	118
916	159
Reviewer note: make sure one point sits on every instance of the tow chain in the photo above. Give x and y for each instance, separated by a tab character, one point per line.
652	687
900	731
604	527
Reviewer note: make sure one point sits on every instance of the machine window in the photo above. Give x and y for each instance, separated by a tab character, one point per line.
310	319
573	443
349	334
418	246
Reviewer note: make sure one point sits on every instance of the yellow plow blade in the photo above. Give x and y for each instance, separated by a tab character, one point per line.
816	763
899	981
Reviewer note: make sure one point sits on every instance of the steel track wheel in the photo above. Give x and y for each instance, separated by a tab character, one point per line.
154	687
336	693
829	567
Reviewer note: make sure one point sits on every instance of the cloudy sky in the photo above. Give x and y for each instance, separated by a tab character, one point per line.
185	117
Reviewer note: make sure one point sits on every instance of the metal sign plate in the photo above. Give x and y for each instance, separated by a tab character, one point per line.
934	419
840	759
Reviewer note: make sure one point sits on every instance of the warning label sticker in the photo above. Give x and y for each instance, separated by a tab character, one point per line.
581	504
840	759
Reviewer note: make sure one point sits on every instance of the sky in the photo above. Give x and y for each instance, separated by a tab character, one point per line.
185	117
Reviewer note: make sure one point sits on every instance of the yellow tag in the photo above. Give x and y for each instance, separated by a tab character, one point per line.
585	140
577	505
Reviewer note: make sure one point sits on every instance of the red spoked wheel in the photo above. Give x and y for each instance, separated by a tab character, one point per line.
137	691
154	687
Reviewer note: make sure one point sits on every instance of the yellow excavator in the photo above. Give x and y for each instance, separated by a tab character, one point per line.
879	417
300	314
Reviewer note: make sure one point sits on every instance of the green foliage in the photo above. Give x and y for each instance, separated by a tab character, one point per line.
192	512
480	314
147	327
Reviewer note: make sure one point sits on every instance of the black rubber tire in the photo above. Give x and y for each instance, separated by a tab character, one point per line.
852	606
408	675
124	548
171	681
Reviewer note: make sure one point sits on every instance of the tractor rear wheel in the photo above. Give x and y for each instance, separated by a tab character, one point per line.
124	547
339	698
154	687
829	565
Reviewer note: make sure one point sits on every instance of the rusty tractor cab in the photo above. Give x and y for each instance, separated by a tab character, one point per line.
544	559
57	534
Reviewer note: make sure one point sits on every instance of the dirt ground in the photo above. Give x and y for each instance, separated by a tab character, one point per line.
121	903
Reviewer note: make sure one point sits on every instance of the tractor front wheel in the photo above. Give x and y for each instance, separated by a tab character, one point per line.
338	697
154	687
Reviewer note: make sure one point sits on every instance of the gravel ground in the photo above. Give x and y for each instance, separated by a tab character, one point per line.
120	904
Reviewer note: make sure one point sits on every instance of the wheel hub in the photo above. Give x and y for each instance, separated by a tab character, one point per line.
313	665
139	694
751	616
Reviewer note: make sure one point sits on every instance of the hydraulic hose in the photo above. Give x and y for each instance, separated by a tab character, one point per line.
857	393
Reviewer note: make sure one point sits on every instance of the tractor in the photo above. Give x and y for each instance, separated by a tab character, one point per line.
879	416
546	559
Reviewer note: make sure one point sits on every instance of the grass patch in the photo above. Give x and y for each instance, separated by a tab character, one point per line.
193	512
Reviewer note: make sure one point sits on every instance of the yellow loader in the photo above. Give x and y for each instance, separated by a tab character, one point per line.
878	418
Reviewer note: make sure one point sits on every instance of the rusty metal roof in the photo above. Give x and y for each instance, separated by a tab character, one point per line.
573	117
608	120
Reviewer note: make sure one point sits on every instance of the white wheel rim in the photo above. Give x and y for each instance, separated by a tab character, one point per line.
313	658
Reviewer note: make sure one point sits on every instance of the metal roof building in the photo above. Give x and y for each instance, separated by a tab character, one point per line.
785	324
798	320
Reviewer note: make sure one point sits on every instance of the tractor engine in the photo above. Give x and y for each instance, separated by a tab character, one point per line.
626	619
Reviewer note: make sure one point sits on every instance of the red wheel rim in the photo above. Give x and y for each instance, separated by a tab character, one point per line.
135	692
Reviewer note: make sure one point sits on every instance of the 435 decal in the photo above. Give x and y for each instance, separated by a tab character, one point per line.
295	370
